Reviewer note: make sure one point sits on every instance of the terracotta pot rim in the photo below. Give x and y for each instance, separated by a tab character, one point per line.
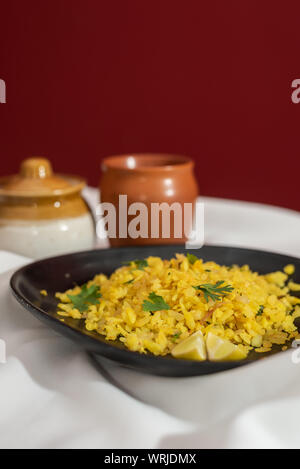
78	184
152	162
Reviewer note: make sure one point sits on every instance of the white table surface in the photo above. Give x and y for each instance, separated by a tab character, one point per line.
53	397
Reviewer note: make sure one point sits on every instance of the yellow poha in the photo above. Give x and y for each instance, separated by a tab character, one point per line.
255	312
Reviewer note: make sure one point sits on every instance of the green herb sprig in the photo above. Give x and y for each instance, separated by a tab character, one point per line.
191	258
139	263
88	296
176	336
129	282
156	303
214	292
260	310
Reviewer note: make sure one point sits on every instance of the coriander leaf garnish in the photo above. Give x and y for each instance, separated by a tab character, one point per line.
215	292
191	258
261	310
87	296
157	303
176	336
139	263
129	281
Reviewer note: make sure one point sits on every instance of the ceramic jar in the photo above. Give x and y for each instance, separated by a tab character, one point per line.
42	214
147	178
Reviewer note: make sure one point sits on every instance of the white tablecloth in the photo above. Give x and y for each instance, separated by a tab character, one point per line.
53	397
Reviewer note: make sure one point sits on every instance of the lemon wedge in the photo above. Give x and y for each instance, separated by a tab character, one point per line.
192	348
221	349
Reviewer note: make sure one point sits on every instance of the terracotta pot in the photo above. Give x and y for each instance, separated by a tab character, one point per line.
150	179
43	214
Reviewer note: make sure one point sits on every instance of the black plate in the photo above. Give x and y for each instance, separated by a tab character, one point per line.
60	273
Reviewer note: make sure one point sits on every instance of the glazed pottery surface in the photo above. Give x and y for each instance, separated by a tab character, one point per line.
148	179
43	214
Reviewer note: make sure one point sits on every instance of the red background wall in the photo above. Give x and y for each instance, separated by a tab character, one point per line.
88	78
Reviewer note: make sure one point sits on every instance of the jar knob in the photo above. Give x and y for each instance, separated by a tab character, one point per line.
36	168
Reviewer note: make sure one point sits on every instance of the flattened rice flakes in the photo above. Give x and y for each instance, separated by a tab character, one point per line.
257	313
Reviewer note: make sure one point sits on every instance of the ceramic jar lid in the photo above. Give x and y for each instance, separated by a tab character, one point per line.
36	179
